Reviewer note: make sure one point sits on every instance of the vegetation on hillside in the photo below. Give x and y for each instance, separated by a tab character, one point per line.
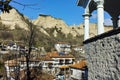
2	69
41	40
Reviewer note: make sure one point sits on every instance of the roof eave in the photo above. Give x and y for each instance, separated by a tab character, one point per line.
77	68
80	2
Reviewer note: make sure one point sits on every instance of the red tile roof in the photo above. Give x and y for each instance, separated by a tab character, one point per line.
11	63
79	65
44	58
57	55
64	67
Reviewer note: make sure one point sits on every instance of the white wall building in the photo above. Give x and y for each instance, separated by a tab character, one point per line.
63	47
78	70
49	62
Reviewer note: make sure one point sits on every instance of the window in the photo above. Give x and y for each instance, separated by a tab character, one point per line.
71	71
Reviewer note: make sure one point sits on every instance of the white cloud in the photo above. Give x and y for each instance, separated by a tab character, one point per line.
107	21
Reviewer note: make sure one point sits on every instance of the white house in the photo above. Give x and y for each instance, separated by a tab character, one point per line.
49	62
63	47
61	59
53	60
17	65
11	66
79	70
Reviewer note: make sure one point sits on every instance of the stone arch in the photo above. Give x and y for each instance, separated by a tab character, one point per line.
108	18
92	6
110	6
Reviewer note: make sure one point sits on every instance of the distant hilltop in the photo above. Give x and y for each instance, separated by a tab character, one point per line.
47	21
44	22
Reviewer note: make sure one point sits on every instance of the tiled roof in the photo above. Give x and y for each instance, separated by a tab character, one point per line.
22	59
62	43
50	55
31	59
64	67
79	65
45	58
57	55
11	63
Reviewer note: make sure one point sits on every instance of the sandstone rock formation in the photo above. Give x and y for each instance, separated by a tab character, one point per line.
14	18
46	21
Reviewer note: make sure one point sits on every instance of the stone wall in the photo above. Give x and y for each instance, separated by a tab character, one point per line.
103	55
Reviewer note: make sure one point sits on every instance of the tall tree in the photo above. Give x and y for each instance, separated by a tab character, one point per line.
30	44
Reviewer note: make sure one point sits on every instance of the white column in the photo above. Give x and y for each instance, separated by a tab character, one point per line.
119	23
86	26
100	15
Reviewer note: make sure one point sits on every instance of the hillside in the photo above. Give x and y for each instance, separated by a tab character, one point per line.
14	18
49	30
47	21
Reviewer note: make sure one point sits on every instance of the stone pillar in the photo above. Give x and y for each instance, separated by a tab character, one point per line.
86	26
115	22
100	15
119	22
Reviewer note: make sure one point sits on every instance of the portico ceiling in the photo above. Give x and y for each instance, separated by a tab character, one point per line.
110	6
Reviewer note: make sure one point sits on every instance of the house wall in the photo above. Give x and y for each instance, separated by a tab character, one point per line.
57	61
103	55
63	47
8	71
76	74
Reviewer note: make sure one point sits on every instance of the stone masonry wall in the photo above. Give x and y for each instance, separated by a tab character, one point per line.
103	55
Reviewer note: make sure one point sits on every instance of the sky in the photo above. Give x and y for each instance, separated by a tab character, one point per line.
67	10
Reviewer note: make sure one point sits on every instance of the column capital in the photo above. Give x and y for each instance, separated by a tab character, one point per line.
86	15
100	15
99	3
